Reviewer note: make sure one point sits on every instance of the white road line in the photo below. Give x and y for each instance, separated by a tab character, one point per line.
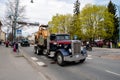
41	63
89	57
112	72
34	58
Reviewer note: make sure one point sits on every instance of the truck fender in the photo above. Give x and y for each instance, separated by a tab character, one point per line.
63	52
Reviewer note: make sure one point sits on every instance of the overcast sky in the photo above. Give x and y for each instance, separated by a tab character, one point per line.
42	10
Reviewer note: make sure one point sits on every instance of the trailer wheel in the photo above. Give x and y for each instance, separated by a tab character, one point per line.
59	58
35	50
45	52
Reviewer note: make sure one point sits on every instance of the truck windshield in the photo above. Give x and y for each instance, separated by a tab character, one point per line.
63	37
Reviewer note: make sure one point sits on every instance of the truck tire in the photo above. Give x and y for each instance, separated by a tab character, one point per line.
45	52
39	52
59	59
82	60
35	50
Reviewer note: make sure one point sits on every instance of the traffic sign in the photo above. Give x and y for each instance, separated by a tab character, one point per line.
19	31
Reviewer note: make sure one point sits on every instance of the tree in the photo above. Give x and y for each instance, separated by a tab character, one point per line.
76	7
11	14
96	22
60	23
112	9
75	28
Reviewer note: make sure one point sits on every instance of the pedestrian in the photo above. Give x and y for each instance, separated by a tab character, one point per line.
0	42
14	47
110	44
115	42
17	47
7	43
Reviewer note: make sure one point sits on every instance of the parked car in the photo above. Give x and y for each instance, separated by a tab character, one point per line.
99	43
24	42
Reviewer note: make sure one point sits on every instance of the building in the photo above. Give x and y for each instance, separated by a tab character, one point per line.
2	34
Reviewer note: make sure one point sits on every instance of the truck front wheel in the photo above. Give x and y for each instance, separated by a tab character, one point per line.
82	61
60	60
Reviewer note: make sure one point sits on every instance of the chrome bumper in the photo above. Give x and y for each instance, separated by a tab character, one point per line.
75	57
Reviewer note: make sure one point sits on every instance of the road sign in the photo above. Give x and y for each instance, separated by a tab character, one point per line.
19	31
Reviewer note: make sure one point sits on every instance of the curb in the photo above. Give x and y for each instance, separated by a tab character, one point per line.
35	65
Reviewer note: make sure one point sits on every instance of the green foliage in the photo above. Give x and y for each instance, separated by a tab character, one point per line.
96	22
112	10
60	23
92	22
77	7
75	28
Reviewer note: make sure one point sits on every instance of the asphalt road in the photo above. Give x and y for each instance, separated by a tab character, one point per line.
101	64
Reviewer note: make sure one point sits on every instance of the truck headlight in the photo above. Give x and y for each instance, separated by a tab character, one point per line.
83	50
70	50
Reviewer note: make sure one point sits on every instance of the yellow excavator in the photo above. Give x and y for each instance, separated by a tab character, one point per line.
41	39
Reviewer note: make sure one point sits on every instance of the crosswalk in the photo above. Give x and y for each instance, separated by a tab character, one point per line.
40	63
89	57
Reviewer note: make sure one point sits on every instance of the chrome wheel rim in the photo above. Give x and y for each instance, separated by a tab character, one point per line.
59	59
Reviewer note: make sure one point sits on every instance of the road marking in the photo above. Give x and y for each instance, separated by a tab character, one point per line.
34	58
89	57
41	63
112	72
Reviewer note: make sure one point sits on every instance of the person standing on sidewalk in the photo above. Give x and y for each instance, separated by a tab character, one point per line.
16	47
7	43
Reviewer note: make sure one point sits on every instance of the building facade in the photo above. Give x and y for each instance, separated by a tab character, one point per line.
2	34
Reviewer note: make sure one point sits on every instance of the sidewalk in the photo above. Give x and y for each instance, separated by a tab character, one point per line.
14	67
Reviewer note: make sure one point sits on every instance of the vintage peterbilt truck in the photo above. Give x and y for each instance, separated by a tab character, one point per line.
59	46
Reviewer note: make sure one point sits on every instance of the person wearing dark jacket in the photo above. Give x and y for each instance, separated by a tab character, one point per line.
17	47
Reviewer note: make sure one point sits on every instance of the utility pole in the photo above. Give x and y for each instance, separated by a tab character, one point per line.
15	19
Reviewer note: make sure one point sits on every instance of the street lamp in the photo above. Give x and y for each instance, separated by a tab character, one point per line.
15	19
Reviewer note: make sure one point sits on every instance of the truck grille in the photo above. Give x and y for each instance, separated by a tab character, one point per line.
76	47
